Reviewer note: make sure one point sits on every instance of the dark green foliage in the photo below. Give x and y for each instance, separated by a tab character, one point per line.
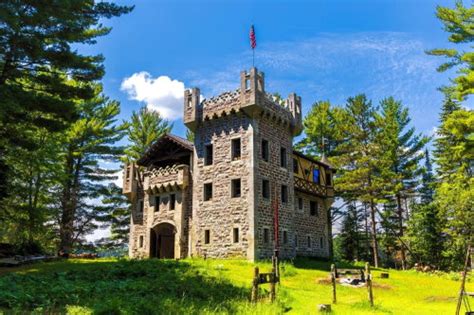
352	240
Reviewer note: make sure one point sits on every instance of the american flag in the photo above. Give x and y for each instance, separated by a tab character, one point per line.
253	40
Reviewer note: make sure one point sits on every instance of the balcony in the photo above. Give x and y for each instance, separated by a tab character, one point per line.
313	188
165	179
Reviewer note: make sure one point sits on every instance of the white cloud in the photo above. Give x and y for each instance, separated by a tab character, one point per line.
161	94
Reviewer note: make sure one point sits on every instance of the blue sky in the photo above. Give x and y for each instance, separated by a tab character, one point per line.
322	50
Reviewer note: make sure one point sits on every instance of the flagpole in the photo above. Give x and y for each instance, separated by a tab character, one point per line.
253	57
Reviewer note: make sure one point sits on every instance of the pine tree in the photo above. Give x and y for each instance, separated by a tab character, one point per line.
363	166
119	215
455	191
87	146
351	238
427	181
402	149
459	22
144	128
38	59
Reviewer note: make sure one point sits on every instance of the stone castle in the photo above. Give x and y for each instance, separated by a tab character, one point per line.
216	196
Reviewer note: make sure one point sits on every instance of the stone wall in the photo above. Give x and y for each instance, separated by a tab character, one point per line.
278	136
307	225
223	213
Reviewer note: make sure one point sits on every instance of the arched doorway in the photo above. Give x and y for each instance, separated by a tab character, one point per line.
162	241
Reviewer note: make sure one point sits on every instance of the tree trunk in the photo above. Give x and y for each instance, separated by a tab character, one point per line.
400	232
375	246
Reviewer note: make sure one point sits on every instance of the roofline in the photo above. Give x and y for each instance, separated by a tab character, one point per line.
185	144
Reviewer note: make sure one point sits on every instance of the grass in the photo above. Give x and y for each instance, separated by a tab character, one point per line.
195	286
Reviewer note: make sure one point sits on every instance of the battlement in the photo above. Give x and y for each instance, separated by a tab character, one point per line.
251	99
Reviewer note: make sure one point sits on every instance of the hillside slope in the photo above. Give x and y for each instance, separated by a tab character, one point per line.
107	286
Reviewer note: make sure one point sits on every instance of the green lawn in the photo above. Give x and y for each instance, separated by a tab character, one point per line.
108	286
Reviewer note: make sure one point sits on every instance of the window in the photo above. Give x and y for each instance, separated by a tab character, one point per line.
157	203
235	235
321	242
235	149
284	193
316	175
266	235
172	201
265	189
283	157
295	166
308	241
208	154
140	241
296	240
313	208
140	205
300	203
235	189
285	237
328	178
265	153
207	191
207	236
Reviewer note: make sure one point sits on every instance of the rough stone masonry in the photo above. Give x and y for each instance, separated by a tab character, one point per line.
217	196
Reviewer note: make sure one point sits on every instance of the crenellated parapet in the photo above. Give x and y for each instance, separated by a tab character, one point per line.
163	179
251	99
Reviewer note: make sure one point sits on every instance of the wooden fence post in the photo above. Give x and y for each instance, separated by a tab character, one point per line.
272	284
333	280
369	283
255	286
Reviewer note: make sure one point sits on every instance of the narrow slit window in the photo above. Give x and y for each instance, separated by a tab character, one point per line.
284	193
313	208
236	188
265	151
283	157
207	191
266	235
140	205
265	189
321	242
308	241
172	201
208	154
300	203
328	178
236	151
207	236
296	240
157	203
235	235
140	242
295	166
285	237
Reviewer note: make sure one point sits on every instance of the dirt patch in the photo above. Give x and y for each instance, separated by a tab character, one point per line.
382	286
440	299
326	280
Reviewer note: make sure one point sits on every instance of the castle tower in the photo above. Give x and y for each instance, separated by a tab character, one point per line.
242	153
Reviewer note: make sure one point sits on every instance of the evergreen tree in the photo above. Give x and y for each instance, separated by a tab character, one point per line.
427	181
36	57
144	128
119	215
363	166
402	149
351	238
455	191
87	147
459	22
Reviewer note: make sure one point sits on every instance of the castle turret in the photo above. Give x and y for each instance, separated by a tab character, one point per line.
293	103
192	108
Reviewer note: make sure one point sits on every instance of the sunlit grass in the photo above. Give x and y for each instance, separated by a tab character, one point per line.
196	286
